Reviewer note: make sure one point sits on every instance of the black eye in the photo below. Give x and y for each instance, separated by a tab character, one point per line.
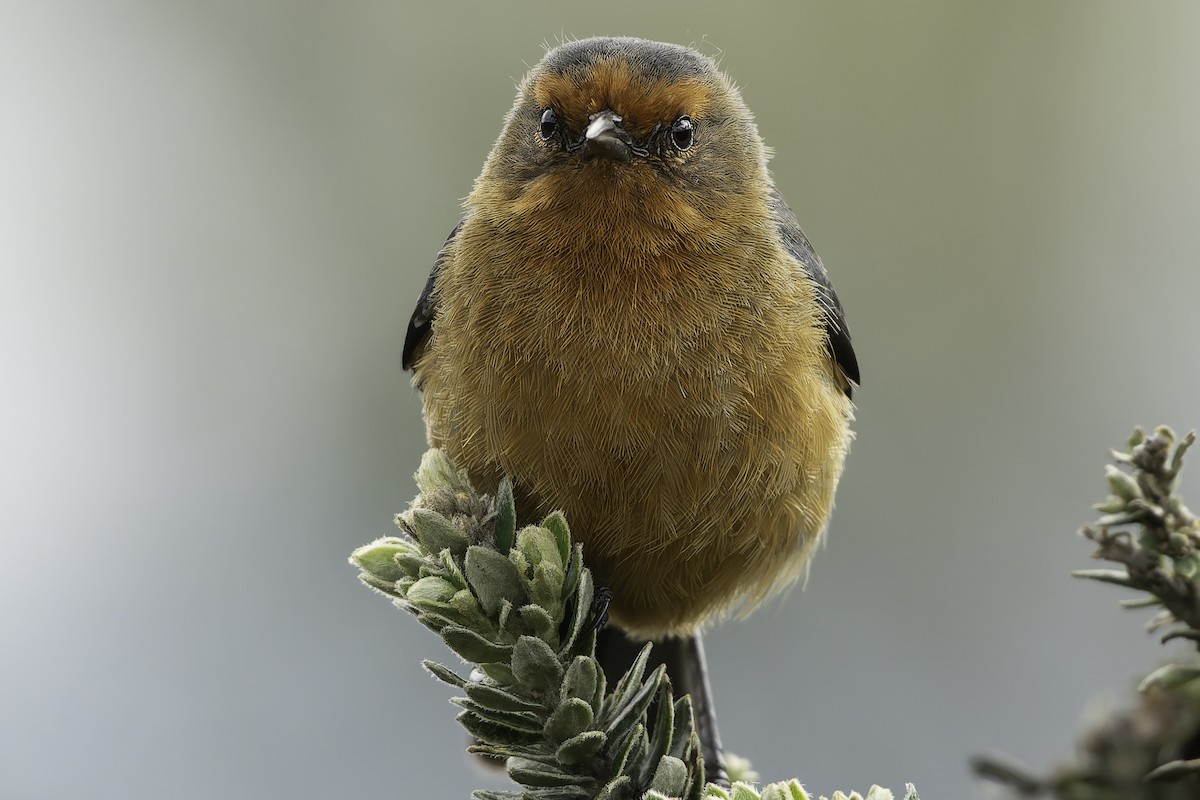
682	133
549	124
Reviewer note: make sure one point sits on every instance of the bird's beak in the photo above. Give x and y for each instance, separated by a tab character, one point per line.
606	138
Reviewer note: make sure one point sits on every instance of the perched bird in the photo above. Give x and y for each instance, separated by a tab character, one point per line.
629	322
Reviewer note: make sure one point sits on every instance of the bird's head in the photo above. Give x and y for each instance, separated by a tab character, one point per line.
614	132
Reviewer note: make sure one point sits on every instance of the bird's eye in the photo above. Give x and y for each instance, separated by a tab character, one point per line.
549	125
682	133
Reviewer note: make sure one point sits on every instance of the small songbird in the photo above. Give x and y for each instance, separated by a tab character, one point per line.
629	322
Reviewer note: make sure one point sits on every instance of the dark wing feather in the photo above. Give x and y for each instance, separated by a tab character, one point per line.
796	243
420	324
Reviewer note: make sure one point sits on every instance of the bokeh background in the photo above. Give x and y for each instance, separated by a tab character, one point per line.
215	218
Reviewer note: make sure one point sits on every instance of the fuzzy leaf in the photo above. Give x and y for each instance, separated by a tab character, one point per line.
411	563
500	672
474	648
496	733
540	622
556	523
435	622
436	533
571	718
792	790
499	700
1170	676
582	611
390	588
634	709
616	789
444	674
517	720
630	752
379	558
582	747
742	791
546	587
531	773
430	592
506	517
539	546
437	473
574	568
670	777
629	683
535	665
664	725
581	679
684	727
493	578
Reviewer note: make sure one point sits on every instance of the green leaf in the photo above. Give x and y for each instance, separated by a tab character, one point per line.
436	474
556	523
531	773
546	587
411	563
534	752
580	748
489	731
684	727
616	789
379	558
1122	484
435	622
571	718
535	665
581	679
506	517
444	674
670	777
1170	676
742	791
500	672
517	720
473	647
574	568
389	588
664	725
493	578
792	790
1188	566
430	591
540	622
500	700
539	546
1119	577
436	533
629	751
582	611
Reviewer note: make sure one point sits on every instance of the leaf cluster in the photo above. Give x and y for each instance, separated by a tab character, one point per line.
1151	750
519	605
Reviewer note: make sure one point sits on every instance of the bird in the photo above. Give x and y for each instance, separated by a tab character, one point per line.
629	323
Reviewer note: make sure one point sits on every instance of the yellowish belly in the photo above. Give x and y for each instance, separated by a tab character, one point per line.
696	459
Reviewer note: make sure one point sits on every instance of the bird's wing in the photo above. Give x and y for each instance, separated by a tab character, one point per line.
422	317
836	330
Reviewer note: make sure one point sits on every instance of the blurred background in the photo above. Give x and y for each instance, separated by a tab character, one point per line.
216	218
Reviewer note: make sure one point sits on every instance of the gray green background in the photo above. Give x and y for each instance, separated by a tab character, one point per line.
215	218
